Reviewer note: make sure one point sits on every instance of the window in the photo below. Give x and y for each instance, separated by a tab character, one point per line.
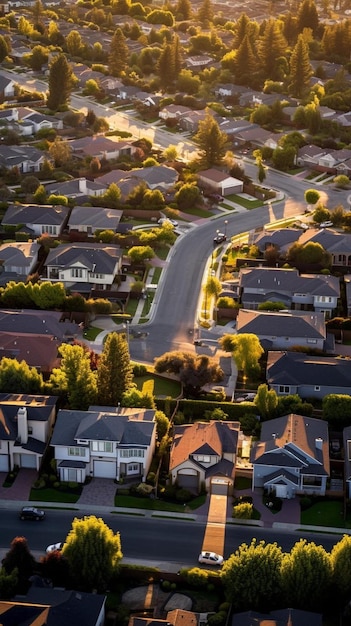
203	458
284	389
51	230
102	446
311	340
30	430
76	272
129	453
76	451
317	388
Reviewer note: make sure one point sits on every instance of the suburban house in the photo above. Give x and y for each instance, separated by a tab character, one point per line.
87	219
26	158
25	427
284	329
205	453
83	266
53	607
282	617
305	292
160	177
281	239
37	350
78	188
101	147
173	112
18	260
7	88
213	180
292	456
337	244
308	376
33	322
37	219
347	460
104	442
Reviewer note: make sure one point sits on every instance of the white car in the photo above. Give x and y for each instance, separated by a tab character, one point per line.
165	220
210	558
54	546
326	224
246	397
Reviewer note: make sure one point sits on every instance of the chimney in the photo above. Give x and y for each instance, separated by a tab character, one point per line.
82	185
22	424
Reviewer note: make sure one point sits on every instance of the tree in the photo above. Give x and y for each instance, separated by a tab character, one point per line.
307	16
188	196
272	46
337	410
74	377
112	196
166	67
140	254
312	196
19	377
306	575
211	140
114	371
194	371
251	576
74	43
311	254
245	62
183	10
30	184
246	349
93	552
60	83
4	49
266	401
341	566
119	54
162	425
206	13
60	152
20	561
48	295
342	181
243	510
300	69
38	58
8	584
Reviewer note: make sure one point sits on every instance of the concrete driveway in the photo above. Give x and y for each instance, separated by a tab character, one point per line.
20	489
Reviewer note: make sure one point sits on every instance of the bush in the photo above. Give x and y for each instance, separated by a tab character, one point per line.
139	369
183	495
196	577
243	511
57	484
166	585
305	503
39	484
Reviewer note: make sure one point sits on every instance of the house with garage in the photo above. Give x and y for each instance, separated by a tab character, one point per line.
306	292
105	442
26	423
37	219
308	376
284	329
216	181
27	159
83	266
204	454
18	260
292	456
101	147
337	244
87	219
281	239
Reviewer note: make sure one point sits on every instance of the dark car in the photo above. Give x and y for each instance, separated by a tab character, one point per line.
220	238
32	513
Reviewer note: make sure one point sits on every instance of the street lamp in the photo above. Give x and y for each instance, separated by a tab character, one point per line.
225	227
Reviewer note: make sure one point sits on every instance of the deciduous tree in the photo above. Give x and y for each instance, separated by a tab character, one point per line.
266	401
246	350
195	371
341	564
74	377
19	377
20	561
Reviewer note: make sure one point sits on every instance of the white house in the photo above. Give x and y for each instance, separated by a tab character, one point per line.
104	442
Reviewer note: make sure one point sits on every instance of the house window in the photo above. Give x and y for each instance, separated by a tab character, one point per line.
93	275
203	458
317	388
102	446
50	230
129	453
311	340
76	272
30	430
76	451
284	389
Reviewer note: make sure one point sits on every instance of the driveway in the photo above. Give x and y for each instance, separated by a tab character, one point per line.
100	491
20	489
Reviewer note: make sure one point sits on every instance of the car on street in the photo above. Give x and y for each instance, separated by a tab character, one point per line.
220	238
167	220
326	224
54	547
32	513
210	558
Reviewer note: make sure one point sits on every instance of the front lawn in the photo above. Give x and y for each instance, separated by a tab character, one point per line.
149	504
49	494
326	513
162	386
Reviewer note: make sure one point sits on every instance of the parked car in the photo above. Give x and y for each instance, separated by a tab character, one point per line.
32	513
54	546
246	397
219	238
326	224
210	558
165	220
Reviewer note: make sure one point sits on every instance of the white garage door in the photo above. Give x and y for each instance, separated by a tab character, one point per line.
28	460
4	463
104	469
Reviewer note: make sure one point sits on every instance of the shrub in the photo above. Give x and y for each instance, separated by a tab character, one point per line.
139	369
217	619
196	577
243	511
39	484
166	585
57	484
305	503
72	485
183	495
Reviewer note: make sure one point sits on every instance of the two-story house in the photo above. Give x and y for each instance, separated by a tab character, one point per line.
306	292
18	260
37	219
292	456
25	426
104	442
205	453
84	266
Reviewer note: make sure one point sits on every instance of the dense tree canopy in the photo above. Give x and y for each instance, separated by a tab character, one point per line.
195	371
246	349
74	377
114	372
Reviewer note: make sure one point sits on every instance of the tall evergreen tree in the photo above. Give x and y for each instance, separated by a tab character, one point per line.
300	69
211	140
177	55
183	10
246	65
60	83
114	372
245	27
4	50
307	16
119	53
272	46
206	13
166	67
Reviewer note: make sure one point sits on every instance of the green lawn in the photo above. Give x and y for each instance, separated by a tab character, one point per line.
133	502
47	494
162	386
242	482
91	333
325	513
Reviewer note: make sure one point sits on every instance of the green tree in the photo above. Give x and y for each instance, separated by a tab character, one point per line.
246	350
134	398
341	566
119	54
74	43
188	196
16	295
245	62
309	254
74	377
205	13
342	181
194	371
183	10
112	196
38	58
272	46
243	510
312	196
60	83
211	140
307	16
166	67
93	552
251	576
300	69
20	561
140	254
306	575
266	401
60	152
114	371
4	49
19	377
337	410
48	295
162	425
